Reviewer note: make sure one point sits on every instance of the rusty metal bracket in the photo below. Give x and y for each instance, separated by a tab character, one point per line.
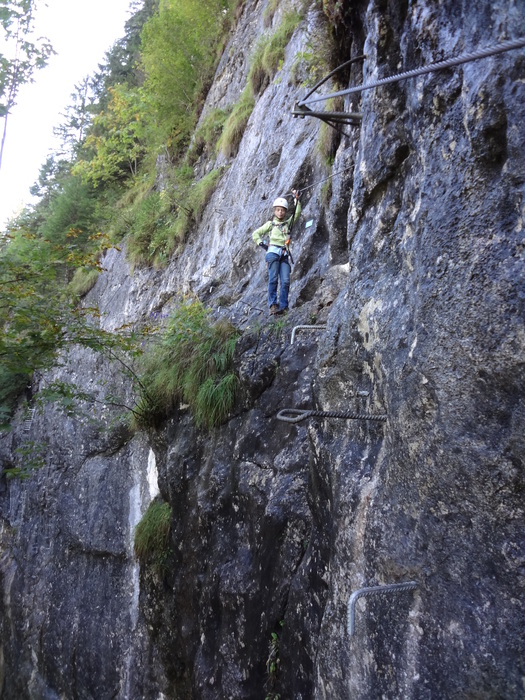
350	118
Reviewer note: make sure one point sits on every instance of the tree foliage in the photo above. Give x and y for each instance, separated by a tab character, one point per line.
179	48
115	143
39	318
22	54
122	61
76	119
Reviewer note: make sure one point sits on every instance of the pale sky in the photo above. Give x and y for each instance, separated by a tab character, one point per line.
81	31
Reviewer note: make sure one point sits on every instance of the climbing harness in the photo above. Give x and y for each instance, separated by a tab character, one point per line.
287	233
432	67
298	415
374	590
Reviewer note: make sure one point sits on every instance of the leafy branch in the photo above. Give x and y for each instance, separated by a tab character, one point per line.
22	56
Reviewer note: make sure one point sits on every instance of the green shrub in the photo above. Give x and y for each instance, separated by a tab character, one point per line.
191	362
236	123
161	221
329	138
197	198
83	280
190	206
269	52
207	135
149	216
72	208
151	544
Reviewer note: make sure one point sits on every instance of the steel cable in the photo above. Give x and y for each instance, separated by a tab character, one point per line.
309	187
440	65
301	414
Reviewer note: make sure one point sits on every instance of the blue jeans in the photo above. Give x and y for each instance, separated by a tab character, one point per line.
278	270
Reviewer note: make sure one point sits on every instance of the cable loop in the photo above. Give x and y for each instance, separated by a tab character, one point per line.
301	414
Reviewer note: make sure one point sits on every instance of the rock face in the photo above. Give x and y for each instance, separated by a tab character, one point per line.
415	265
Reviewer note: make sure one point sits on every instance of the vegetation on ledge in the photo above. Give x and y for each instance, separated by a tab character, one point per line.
190	363
151	543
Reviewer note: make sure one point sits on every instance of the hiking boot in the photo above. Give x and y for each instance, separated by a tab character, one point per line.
274	309
281	312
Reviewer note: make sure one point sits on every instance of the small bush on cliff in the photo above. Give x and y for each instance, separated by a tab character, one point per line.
83	280
193	204
269	52
149	216
207	135
161	221
236	123
152	535
192	362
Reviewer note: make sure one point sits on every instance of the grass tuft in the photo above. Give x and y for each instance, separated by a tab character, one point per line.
151	544
192	362
236	123
83	280
207	135
161	221
269	51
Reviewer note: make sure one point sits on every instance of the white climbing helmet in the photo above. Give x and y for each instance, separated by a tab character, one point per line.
281	202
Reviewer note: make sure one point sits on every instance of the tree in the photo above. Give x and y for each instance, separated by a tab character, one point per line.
179	50
115	143
72	208
39	318
77	118
122	61
23	54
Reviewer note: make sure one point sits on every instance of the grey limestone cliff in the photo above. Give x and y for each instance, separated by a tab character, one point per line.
414	264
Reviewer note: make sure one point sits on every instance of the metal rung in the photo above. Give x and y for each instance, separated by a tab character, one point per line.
29	422
296	328
374	590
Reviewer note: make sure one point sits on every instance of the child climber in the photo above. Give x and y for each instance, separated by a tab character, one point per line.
278	256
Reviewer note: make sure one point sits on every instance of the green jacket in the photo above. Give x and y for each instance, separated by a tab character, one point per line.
277	230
